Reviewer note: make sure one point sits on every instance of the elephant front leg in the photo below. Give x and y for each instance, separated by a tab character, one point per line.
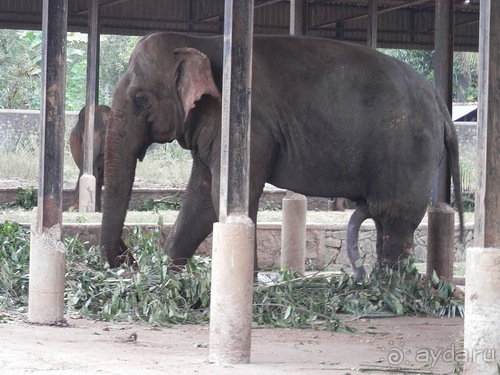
196	216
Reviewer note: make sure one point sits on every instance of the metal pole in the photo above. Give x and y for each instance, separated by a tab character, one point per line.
234	236
371	32
87	185
47	252
298	17
443	67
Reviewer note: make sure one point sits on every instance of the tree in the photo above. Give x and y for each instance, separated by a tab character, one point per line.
20	68
20	56
464	70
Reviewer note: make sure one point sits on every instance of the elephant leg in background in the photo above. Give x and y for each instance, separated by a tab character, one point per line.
196	216
76	145
99	180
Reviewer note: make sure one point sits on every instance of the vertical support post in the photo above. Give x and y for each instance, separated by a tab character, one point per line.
487	212
482	285
438	250
298	17
234	235
47	252
293	226
87	186
371	32
293	232
443	67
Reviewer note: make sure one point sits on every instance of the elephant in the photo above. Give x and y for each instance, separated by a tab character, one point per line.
76	145
328	119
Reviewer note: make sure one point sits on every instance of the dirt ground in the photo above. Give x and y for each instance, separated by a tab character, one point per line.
390	345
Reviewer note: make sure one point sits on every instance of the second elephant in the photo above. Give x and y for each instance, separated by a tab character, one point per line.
76	144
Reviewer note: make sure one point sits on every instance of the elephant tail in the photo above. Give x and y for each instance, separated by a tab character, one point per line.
451	145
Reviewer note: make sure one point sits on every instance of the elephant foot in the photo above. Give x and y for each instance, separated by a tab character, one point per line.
125	256
177	265
359	274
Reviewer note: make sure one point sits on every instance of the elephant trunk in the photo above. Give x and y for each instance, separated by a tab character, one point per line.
119	172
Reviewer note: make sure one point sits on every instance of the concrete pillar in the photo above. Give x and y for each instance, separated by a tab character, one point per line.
87	193
47	276
482	285
441	244
232	279
293	232
47	252
482	311
234	237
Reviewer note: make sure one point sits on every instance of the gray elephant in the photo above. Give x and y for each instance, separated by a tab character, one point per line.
328	119
76	145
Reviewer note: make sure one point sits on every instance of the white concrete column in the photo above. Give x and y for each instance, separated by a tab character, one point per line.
293	232
86	198
47	276
482	312
232	290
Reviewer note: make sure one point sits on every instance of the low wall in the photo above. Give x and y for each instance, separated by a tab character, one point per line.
325	243
18	125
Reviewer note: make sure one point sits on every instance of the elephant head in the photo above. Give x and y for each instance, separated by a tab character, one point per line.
153	102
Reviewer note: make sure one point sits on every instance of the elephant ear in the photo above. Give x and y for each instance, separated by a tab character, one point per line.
193	77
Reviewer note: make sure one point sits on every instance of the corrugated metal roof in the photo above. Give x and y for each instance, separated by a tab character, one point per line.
401	23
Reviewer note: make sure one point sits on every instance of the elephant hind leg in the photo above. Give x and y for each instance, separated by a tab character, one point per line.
397	242
357	218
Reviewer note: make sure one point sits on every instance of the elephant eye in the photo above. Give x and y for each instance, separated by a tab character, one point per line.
140	100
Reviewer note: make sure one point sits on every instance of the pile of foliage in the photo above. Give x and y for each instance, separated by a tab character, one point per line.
155	294
172	202
26	199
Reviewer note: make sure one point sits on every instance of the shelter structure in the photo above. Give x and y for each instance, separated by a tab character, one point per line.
388	23
400	23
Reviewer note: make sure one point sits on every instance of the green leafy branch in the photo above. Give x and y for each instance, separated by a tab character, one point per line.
156	294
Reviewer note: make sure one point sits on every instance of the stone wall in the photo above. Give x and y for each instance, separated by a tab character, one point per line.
325	243
17	126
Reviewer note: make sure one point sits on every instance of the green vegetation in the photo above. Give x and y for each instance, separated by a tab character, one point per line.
20	66
26	199
465	74
155	205
155	294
